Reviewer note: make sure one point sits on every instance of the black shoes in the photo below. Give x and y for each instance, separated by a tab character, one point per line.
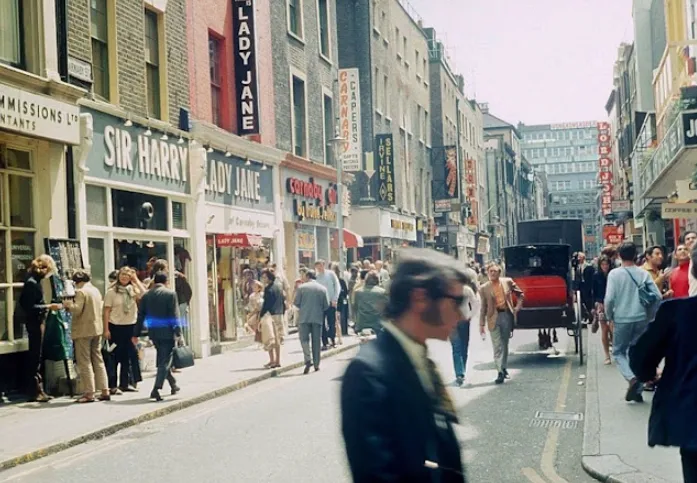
500	379
460	380
307	368
316	368
634	391
505	374
175	390
155	394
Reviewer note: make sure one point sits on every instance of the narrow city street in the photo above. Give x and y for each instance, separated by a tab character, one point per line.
287	429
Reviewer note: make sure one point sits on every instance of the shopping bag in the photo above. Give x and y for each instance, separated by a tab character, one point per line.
182	357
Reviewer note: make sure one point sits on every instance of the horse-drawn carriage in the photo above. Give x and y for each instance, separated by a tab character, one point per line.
543	266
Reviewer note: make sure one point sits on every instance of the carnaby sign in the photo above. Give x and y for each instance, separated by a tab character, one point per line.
128	154
350	119
309	201
246	87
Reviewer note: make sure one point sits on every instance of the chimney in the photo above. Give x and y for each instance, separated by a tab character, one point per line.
484	107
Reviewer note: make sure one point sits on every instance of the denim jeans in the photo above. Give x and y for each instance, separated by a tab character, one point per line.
625	336
460	341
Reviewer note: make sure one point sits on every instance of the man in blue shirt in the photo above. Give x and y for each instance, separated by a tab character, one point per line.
624	309
328	280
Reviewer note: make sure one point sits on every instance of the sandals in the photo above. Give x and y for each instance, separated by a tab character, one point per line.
115	391
608	361
85	400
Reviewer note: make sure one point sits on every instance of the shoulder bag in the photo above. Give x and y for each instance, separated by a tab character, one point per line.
647	297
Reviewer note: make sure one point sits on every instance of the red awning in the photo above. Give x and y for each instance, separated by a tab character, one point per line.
241	240
351	239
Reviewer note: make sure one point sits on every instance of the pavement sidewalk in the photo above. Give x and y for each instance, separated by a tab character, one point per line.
33	430
615	445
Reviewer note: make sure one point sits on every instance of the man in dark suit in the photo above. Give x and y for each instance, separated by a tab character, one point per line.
397	416
159	312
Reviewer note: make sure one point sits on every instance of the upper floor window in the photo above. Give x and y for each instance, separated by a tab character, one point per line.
214	58
328	130
11	46
324	44
99	31
152	64
299	117
295	17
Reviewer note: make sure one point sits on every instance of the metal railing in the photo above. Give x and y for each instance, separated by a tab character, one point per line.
672	74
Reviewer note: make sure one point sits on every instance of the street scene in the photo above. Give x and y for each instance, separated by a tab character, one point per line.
348	240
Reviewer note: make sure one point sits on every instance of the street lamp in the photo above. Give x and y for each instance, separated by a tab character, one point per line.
335	144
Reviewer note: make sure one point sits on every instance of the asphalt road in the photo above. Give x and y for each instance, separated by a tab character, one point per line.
287	429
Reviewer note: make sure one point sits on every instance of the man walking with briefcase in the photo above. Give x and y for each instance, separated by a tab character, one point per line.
159	312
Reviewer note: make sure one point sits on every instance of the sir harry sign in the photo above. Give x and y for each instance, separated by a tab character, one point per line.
246	88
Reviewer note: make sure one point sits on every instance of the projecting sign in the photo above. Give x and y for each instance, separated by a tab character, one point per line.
689	122
384	154
246	88
350	119
675	211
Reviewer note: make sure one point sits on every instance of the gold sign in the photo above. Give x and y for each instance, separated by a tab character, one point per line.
401	225
306	211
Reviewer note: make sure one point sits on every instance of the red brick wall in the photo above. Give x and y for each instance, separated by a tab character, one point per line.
214	17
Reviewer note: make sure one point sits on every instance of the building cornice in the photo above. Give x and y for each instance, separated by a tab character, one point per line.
314	169
222	140
27	81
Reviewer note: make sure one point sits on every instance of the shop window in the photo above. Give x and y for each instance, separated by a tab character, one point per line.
136	253
11	32
152	64
17	160
95	248
178	215
138	210
100	47
21	199
96	206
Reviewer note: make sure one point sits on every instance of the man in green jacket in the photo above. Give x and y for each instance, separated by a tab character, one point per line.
368	304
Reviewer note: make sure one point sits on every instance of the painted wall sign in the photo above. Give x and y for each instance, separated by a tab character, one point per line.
38	116
230	182
384	156
350	119
246	86
126	154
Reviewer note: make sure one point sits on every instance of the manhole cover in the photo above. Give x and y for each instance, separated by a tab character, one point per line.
559	416
553	423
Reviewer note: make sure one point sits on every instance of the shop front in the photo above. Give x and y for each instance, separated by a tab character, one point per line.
133	196
241	239
383	231
36	131
309	220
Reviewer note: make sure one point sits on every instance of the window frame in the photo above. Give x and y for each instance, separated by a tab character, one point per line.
6	230
327	94
328	55
300	19
297	74
161	64
21	32
220	61
111	52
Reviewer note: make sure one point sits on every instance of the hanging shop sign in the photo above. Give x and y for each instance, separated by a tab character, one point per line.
38	116
384	155
129	155
605	166
677	211
613	235
246	86
311	201
240	240
689	122
471	194
230	181
350	119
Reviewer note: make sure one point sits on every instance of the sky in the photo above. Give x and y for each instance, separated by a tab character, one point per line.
533	61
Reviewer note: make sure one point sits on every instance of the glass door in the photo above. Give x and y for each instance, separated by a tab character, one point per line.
212	283
182	284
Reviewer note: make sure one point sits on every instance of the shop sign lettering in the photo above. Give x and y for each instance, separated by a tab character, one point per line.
223	178
401	225
304	210
153	156
306	189
245	68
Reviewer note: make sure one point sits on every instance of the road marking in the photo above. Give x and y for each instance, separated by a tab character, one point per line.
532	475
549	453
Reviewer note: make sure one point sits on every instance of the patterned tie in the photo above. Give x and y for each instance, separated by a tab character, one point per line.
441	397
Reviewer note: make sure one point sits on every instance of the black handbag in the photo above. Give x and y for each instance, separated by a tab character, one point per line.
182	357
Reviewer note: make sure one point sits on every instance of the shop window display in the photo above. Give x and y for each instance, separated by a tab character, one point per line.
136	254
